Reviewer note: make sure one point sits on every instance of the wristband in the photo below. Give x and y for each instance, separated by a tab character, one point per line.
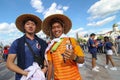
76	58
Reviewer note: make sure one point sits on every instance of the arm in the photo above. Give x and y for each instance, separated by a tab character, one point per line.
76	54
69	54
12	66
49	76
45	67
114	50
111	46
79	59
94	44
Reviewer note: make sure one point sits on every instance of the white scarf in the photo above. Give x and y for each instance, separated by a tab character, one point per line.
55	40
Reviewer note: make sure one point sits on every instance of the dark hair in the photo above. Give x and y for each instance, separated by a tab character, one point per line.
106	38
5	47
92	34
29	19
54	20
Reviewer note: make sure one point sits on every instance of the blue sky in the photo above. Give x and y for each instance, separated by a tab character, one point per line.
87	16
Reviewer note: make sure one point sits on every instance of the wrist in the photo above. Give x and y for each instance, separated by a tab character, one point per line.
75	58
25	73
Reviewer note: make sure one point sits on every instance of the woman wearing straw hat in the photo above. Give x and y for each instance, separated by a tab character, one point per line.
63	53
29	24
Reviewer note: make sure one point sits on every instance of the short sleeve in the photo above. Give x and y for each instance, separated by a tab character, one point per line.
109	44
49	56
91	42
13	47
77	49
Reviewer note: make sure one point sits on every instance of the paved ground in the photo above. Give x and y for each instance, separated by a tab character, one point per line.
5	74
104	74
87	74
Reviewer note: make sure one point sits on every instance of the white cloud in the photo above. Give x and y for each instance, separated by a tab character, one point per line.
65	8
37	4
80	31
118	23
6	41
105	30
76	30
55	9
104	8
102	22
7	28
4	26
8	32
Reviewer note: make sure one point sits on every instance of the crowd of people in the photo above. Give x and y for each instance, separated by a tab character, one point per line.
58	59
101	45
106	47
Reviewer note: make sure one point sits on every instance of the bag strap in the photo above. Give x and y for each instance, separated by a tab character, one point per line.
33	53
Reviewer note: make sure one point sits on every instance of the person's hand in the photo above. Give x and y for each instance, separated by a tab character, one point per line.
44	70
25	73
96	43
69	54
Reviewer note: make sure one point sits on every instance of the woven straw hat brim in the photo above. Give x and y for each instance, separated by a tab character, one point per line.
21	18
46	23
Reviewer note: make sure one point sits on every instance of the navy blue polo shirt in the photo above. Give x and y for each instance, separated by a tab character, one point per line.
28	54
108	45
91	48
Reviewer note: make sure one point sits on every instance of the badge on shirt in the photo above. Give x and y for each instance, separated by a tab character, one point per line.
38	46
25	44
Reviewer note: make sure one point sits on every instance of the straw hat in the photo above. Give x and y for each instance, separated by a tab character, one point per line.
20	21
46	27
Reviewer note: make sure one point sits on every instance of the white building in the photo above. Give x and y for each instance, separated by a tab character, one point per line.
115	33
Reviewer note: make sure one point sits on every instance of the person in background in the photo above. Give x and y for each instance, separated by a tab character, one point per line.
29	24
92	45
109	52
100	46
63	53
118	43
5	53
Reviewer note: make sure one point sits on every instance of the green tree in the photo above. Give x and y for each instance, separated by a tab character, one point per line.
100	37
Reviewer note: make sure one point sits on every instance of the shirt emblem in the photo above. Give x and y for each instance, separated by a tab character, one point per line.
38	46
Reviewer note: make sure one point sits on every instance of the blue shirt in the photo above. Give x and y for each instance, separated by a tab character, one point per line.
108	45
28	54
23	53
100	44
91	48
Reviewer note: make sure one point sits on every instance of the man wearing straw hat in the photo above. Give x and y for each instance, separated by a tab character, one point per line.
29	24
63	53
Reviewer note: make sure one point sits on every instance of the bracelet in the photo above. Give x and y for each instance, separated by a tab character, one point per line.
76	58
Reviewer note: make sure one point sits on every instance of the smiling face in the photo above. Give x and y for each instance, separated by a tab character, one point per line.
30	27
57	29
